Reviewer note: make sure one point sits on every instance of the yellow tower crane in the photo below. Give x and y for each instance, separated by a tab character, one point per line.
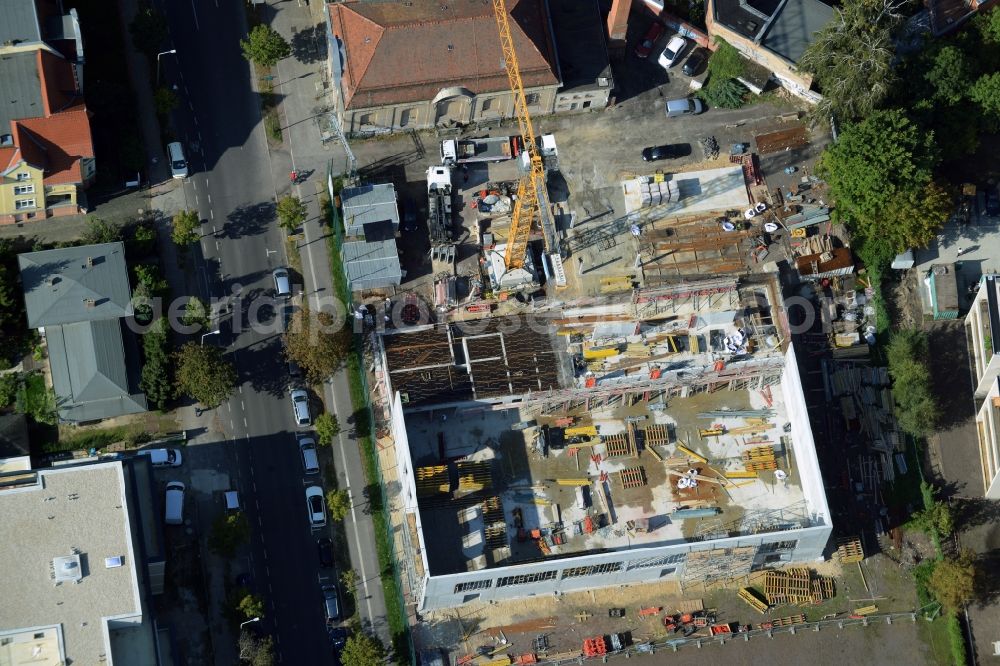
532	199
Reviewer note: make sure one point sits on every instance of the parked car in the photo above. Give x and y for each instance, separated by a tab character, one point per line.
300	407
163	457
173	511
316	506
324	547
338	638
683	107
645	47
992	201
178	163
672	52
667	151
694	62
331	603
282	287
307	449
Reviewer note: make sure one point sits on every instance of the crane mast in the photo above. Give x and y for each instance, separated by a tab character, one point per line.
531	195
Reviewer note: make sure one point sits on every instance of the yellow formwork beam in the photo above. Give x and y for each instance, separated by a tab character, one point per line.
581	431
573	482
739	474
691	454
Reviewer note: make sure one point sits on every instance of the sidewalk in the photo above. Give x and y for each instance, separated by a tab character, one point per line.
303	104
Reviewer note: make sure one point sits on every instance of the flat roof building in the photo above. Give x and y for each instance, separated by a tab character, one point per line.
662	435
73	587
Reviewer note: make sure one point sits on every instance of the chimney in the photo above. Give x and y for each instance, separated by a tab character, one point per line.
89	302
90	262
617	26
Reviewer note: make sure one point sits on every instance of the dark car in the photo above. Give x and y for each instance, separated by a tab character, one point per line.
992	201
645	47
325	548
666	152
694	62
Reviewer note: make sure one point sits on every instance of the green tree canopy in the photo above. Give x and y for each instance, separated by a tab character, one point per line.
880	175
950	75
195	313
916	406
265	46
317	343
157	380
339	504
251	606
291	212
851	58
953	581
327	427
363	650
99	231
229	532
204	375
148	30
165	100
257	651
986	93
186	228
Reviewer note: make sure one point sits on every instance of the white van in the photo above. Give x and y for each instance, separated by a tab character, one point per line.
178	163
310	461
174	514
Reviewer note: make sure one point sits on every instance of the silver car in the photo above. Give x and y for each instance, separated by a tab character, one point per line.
300	407
315	506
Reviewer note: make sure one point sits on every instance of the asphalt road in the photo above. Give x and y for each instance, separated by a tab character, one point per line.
231	188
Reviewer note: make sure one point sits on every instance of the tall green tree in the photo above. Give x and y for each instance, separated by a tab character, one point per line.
265	46
327	427
317	343
148	30
99	231
157	380
986	93
851	58
291	212
204	375
339	504
882	168
953	581
917	410
229	532
195	313
251	606
950	75
363	650
185	229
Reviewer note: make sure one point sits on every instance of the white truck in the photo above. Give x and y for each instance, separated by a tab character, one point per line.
485	149
439	211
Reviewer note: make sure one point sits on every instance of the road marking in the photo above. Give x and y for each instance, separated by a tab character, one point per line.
211	214
194	184
244	405
245	422
204	248
195	118
190	105
218	247
196	200
209	199
195	12
241	389
269	588
231	424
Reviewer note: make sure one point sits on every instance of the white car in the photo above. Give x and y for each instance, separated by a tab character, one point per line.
300	406
672	52
163	457
178	163
315	506
310	461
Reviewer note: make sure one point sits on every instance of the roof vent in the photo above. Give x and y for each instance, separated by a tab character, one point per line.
368	40
67	569
90	262
6	140
53	280
89	302
113	562
451	47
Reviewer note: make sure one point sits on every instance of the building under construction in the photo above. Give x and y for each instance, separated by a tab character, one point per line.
657	434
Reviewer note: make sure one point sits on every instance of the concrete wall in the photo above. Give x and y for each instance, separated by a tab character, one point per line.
639	565
988	433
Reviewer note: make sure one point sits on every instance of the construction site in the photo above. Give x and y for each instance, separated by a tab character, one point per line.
657	435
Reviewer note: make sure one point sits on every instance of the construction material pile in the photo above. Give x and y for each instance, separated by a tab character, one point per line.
796	586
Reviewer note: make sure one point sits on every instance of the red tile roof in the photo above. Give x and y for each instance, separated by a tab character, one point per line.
59	88
56	144
398	53
8	157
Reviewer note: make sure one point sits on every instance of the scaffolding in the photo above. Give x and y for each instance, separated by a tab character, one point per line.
719	565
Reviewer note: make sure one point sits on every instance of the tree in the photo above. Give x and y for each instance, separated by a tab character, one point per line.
204	375
291	212
349	579
916	407
257	651
950	75
229	532
881	167
851	58
363	650
148	30
185	228
953	581
195	313
327	427
339	504
99	231
251	606
726	94
986	93
157	371
265	46
143	239
10	382
165	100
936	519
317	343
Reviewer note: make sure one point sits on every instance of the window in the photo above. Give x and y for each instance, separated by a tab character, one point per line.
24	189
474	585
487	104
532	99
24	204
651	562
24	175
506	581
775	546
595	569
407	117
586	104
367	119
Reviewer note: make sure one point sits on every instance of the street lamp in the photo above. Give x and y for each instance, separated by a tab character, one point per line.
205	335
172	51
256	619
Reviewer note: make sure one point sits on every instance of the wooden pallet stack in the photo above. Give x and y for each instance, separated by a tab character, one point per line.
754	599
759	458
432	480
849	550
633	477
796	586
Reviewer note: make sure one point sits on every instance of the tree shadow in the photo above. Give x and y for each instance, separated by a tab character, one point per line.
248	220
260	366
309	44
987	585
974	512
949	365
